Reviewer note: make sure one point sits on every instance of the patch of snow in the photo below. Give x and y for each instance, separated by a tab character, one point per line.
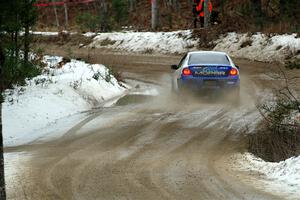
60	94
259	47
45	33
282	178
52	61
292	118
54	33
146	42
89	34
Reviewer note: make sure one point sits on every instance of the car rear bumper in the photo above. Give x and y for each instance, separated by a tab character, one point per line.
209	84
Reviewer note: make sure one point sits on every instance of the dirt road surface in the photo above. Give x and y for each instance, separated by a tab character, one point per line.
146	147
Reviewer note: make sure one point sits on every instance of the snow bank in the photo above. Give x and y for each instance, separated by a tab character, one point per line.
45	33
281	178
54	33
146	42
30	112
259	47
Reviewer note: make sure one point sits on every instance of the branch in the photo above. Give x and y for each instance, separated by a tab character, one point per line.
288	89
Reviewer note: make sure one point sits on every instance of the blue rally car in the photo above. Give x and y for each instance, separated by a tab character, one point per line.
206	71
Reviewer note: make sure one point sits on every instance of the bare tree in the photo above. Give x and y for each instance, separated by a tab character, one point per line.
132	4
55	13
278	136
66	14
103	9
206	13
28	17
257	13
154	14
282	4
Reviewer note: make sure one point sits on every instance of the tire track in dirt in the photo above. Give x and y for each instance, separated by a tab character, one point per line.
155	150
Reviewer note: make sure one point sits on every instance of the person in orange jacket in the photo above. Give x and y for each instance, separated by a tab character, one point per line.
199	10
195	12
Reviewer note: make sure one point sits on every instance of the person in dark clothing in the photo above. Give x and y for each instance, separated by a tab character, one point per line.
195	12
214	17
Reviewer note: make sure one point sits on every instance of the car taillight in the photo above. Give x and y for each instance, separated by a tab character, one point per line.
186	72
233	72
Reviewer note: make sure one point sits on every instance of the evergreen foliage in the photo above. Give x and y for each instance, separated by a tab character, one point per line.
88	22
120	11
15	16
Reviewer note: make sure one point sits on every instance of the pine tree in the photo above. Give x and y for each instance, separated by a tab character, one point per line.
257	12
28	18
15	15
120	11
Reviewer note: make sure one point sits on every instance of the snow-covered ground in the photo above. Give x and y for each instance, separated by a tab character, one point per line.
281	178
48	33
56	98
146	42
260	47
140	42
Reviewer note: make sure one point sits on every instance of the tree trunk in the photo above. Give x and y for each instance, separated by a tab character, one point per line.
256	5
2	177
26	22
16	44
282	8
2	59
257	13
206	14
104	26
131	5
26	44
154	13
55	13
66	14
11	48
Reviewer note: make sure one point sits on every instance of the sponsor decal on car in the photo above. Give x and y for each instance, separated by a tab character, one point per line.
208	71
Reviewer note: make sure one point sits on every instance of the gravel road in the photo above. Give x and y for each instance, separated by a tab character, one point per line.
147	147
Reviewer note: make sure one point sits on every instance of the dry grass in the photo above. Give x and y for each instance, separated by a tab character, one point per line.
275	145
293	64
246	43
278	136
63	39
206	37
107	42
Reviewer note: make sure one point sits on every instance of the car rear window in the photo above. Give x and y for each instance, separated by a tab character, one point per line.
208	58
